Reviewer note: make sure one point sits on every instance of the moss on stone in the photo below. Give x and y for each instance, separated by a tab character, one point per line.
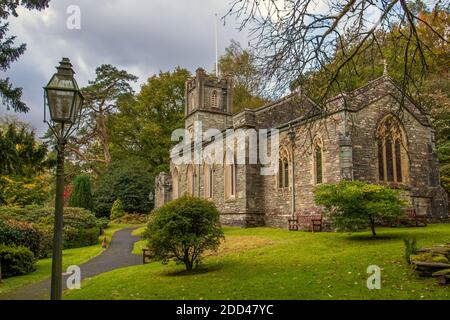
430	257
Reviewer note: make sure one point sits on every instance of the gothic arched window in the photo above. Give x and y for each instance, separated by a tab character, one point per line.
209	177
392	152
230	175
175	183
318	161
214	99
283	168
190	180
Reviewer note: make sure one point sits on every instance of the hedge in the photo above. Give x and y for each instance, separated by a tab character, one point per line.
132	218
19	233
75	217
16	261
81	227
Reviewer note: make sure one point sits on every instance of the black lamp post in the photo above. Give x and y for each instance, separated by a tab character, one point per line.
64	101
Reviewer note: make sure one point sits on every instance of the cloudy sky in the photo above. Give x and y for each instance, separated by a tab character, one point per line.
141	36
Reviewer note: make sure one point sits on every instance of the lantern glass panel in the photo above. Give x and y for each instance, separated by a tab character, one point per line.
60	104
62	82
77	104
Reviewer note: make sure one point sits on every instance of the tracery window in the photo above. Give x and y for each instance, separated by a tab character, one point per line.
214	99
208	181
230	175
283	168
392	151
190	180
318	161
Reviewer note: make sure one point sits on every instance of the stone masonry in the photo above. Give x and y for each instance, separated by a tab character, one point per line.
346	133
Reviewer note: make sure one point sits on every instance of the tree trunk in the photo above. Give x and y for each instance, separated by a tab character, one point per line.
103	136
372	227
189	264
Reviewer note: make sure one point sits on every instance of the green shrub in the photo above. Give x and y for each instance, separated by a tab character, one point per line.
77	238
132	218
128	182
81	196
16	261
19	233
79	227
117	210
28	213
353	205
23	191
74	217
184	229
102	223
75	221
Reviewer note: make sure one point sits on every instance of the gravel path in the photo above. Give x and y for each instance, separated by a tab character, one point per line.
118	255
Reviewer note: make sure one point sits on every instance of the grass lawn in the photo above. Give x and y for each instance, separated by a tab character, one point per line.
265	263
70	257
138	246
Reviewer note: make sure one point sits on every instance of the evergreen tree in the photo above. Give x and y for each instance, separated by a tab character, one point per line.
11	97
20	153
117	210
81	196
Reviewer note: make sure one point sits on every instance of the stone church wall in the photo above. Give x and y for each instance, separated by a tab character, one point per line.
423	185
347	135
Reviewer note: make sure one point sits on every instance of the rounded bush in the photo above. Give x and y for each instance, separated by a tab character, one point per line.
19	233
76	221
117	210
184	229
77	238
132	218
102	223
16	261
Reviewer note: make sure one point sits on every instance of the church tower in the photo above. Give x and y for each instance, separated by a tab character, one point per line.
208	100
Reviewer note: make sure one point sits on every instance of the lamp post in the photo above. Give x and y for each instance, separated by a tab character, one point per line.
292	135
64	101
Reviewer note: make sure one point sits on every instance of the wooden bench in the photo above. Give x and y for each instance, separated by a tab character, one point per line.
146	256
312	222
316	223
293	224
414	218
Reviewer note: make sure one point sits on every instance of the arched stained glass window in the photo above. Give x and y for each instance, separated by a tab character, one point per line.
392	151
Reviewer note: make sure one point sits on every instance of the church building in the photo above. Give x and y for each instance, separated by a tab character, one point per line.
374	134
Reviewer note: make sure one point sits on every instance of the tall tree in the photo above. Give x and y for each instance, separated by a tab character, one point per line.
143	126
431	90
9	52
247	78
295	37
81	195
91	143
20	153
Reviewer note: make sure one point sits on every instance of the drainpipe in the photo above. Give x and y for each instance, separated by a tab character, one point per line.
291	135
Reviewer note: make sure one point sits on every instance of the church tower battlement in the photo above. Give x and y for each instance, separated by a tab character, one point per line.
209	99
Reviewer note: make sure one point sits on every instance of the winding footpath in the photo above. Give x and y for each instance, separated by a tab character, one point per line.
118	255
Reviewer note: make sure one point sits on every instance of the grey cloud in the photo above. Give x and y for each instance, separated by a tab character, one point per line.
141	36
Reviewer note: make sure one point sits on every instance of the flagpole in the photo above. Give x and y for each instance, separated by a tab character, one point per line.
217	48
